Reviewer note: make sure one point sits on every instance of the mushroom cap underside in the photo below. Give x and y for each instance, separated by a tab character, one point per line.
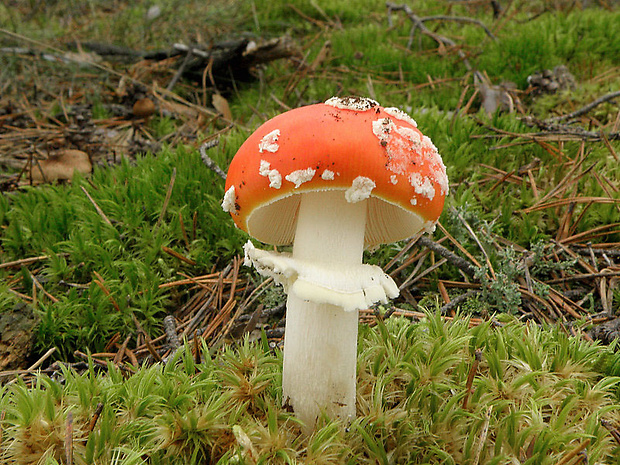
366	151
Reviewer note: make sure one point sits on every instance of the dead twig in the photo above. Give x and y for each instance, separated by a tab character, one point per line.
483	436
461	19
570	455
170	328
419	315
613	431
101	283
69	439
413	278
551	128
476	240
32	368
176	254
578	277
452	258
167	199
118	358
26	261
470	377
99	210
180	71
459	246
208	161
147	339
36	282
583	110
550	132
458	300
95	417
418	23
2	416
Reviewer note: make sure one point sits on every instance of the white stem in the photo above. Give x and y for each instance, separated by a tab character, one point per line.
320	343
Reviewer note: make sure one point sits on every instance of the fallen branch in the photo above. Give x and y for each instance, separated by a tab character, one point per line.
583	110
452	258
232	60
573	132
458	300
461	19
552	125
170	328
442	41
25	261
97	208
493	96
206	159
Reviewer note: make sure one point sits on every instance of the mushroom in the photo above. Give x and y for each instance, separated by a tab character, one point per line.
61	166
331	179
143	108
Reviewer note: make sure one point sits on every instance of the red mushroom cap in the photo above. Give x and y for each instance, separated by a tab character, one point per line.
350	144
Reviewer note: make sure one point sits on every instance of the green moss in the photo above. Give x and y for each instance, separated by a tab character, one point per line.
537	391
62	222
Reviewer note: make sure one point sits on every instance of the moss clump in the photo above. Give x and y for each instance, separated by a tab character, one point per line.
536	394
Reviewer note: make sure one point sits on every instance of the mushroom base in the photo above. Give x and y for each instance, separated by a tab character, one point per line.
319	374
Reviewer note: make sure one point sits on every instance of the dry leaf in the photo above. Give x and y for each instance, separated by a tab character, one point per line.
221	105
61	166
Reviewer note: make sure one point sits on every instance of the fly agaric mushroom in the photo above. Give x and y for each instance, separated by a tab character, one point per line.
331	179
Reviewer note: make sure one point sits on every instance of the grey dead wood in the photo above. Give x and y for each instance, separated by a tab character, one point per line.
208	161
462	264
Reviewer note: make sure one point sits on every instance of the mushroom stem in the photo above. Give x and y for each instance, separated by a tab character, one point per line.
320	343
